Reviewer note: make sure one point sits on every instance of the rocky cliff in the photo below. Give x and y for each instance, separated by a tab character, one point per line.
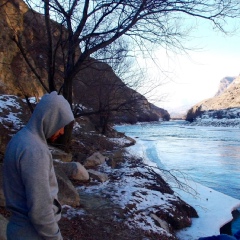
227	98
95	86
15	77
161	113
224	83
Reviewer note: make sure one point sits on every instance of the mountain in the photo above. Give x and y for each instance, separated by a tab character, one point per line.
226	98
160	112
224	83
96	87
179	112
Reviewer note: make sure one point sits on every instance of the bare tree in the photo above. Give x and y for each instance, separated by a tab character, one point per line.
94	25
103	95
86	27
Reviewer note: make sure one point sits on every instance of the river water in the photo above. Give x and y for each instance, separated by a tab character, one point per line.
208	155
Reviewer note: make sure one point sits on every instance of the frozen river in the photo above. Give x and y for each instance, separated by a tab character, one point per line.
209	155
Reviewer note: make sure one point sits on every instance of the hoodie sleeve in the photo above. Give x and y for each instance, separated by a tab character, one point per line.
38	181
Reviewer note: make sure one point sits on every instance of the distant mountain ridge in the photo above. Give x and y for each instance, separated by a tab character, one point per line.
227	97
179	112
224	83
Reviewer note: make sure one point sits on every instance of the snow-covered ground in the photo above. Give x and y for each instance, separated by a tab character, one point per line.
9	117
131	193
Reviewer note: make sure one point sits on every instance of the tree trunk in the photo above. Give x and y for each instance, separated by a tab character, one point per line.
67	90
67	94
67	136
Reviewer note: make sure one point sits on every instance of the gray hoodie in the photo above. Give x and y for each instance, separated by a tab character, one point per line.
30	184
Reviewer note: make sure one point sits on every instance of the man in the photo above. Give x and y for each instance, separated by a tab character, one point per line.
30	184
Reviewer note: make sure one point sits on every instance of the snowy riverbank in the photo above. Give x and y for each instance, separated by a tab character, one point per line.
214	208
219	118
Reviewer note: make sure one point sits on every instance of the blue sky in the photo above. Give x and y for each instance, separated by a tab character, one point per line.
195	76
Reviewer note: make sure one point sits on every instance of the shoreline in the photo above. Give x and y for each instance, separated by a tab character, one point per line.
214	208
136	203
134	199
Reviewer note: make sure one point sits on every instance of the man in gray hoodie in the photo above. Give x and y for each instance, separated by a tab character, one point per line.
30	184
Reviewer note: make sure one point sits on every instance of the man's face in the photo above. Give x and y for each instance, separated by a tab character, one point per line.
57	134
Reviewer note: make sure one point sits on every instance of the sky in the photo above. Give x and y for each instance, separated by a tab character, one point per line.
194	76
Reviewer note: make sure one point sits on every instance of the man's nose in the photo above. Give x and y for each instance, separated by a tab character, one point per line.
61	131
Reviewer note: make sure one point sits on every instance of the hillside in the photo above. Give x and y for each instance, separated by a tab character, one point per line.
96	86
224	105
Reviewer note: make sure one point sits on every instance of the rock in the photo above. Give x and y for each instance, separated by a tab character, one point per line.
79	157
102	177
59	154
3	227
163	224
67	194
179	215
115	158
2	198
80	173
73	170
94	160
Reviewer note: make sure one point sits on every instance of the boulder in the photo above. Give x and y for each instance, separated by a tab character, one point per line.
115	158
59	154
3	227
94	160
2	198
73	170
102	177
67	194
79	157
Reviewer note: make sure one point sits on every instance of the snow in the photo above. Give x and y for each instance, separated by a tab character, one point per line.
9	119
7	101
32	100
131	194
121	141
80	108
220	118
214	210
77	126
72	212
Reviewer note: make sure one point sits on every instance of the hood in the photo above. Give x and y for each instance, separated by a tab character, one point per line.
51	113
